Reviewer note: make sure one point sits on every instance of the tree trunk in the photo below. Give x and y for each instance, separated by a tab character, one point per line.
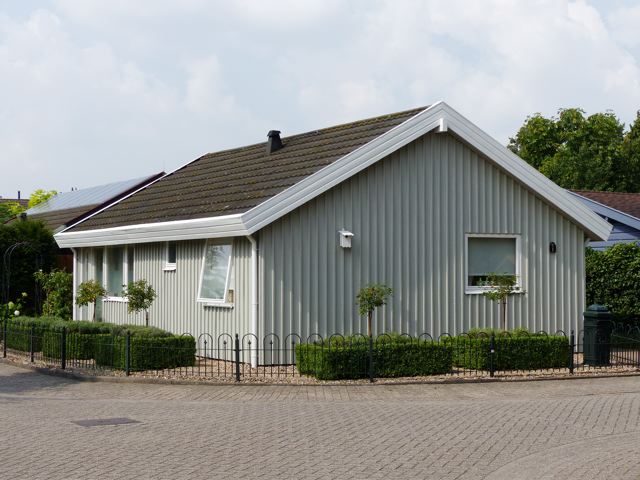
146	317
369	315
95	304
503	313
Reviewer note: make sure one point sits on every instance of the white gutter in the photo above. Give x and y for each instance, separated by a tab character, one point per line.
254	299
74	283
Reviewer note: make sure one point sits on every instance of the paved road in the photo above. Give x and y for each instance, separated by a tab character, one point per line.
554	429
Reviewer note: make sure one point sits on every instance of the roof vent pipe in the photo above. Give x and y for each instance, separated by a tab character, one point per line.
274	143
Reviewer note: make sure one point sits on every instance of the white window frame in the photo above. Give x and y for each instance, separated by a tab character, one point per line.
125	270
170	266
213	302
476	290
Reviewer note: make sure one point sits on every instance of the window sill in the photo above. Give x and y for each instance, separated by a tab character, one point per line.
210	304
115	299
169	267
481	290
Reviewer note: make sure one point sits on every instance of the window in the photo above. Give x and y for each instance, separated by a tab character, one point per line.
171	254
115	268
215	278
487	254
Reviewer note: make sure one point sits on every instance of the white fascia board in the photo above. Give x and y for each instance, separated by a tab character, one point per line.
609	212
344	168
595	227
215	227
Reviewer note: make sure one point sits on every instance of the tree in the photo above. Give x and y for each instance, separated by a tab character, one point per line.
90	292
140	296
371	297
501	287
57	286
40	196
579	152
9	210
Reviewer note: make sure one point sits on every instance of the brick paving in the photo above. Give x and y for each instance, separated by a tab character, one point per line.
587	428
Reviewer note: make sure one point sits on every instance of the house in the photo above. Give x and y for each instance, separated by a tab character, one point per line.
278	237
621	210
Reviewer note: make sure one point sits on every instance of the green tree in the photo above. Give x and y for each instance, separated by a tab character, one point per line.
580	152
57	286
9	210
371	297
90	292
40	196
501	287
140	296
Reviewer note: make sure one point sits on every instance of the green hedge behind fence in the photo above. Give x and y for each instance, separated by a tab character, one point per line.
146	352
392	358
19	332
520	352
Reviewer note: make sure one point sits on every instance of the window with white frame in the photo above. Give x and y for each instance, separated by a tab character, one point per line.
215	277
491	254
116	270
171	255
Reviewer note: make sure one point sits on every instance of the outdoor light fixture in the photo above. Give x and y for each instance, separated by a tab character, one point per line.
552	247
345	238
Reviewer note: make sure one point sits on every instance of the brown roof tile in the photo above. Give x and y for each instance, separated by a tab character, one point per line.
628	203
234	181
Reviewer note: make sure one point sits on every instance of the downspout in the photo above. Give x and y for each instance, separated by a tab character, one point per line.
254	300
74	283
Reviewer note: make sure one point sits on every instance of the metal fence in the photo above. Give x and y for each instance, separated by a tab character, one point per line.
233	358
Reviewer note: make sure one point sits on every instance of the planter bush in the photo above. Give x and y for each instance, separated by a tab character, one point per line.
147	352
393	356
80	346
19	332
516	352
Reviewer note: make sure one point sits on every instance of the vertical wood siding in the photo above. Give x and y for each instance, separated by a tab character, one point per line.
175	308
410	213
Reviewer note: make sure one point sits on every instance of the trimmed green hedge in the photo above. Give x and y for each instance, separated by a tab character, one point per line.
19	332
392	357
80	346
147	352
518	352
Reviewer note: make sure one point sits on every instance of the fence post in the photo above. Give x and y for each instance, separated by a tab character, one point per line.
572	348
32	334
371	373
63	349
127	354
237	355
4	337
492	351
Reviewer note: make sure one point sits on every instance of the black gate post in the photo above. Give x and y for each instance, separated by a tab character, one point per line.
63	349
4	337
572	348
492	351
127	354
371	374
32	334
237	355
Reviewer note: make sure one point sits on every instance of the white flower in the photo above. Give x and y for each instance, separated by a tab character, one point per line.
16	313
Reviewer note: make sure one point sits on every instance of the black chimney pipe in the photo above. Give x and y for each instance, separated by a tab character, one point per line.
274	142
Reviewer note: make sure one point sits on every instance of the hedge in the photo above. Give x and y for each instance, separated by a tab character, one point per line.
518	352
148	352
349	358
80	346
19	332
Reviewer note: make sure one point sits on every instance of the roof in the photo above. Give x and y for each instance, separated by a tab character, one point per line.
22	201
628	203
67	208
238	192
234	181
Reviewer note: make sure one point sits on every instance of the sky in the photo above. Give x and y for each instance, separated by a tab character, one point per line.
93	92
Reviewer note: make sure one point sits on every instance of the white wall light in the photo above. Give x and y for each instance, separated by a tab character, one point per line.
345	238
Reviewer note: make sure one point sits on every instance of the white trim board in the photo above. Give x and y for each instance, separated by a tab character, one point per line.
438	117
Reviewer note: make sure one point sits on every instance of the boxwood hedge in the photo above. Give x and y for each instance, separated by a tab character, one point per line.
148	352
19	332
393	356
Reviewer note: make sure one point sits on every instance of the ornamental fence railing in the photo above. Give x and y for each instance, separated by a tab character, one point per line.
231	357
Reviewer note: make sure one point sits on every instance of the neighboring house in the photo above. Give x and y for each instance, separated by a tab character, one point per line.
279	237
23	202
621	210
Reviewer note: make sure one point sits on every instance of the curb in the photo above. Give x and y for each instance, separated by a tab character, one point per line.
168	381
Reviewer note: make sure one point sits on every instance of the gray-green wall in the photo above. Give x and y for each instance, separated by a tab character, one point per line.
410	213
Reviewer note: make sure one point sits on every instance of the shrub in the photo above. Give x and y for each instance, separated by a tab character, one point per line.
516	352
19	332
80	339
393	356
58	288
148	352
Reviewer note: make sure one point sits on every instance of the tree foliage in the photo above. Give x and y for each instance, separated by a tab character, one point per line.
140	295
9	210
582	152
41	196
90	292
501	286
57	286
371	297
613	278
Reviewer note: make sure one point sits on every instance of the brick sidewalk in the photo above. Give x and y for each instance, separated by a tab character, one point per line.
588	428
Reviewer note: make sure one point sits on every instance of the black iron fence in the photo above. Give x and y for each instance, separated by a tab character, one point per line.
335	357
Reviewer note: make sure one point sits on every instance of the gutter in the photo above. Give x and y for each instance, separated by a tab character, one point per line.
74	314
254	300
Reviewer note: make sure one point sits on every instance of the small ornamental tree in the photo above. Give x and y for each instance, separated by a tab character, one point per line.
371	297
89	292
140	296
501	287
58	289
